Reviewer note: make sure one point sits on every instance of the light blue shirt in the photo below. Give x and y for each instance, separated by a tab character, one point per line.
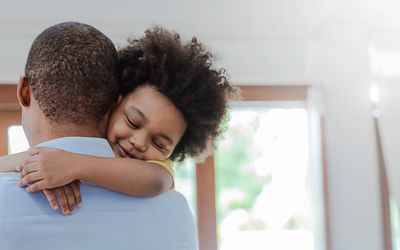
107	220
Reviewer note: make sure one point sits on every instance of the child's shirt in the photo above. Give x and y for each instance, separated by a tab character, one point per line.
167	164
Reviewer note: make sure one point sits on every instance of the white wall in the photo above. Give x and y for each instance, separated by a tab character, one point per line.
342	67
324	43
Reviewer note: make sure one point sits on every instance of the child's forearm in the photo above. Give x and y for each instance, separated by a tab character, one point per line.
125	175
8	163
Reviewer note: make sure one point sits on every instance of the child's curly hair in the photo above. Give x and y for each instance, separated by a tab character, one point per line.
182	72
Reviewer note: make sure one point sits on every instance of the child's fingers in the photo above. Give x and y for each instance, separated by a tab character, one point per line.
39	185
51	198
77	192
69	193
41	150
19	167
62	200
29	178
31	168
26	162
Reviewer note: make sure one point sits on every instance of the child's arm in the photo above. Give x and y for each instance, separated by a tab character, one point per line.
50	168
8	163
126	175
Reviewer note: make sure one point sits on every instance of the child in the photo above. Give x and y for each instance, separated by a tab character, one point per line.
172	104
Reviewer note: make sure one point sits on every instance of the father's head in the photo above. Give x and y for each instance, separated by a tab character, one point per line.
70	83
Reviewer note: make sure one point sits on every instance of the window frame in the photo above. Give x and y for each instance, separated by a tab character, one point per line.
10	113
205	172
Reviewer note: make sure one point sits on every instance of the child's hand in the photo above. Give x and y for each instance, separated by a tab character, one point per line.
46	168
68	197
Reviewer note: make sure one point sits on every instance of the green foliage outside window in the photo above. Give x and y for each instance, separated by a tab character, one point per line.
231	172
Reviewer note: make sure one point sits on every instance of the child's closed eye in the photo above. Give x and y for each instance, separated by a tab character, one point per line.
158	145
131	123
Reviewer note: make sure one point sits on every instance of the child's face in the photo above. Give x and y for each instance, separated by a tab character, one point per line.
145	125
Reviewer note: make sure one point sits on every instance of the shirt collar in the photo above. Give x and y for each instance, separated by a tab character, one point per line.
83	145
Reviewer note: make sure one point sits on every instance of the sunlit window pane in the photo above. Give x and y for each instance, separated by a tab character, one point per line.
263	198
185	182
394	213
17	141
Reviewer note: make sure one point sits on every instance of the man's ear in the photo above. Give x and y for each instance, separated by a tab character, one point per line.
23	92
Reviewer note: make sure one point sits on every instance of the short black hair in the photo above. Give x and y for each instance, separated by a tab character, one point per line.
72	69
184	73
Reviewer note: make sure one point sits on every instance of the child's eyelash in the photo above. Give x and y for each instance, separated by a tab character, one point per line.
158	145
131	123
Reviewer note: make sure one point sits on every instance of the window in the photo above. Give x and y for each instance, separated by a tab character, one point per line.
9	114
185	182
262	189
17	141
265	180
395	219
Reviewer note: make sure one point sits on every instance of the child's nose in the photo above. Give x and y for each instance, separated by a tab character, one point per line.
139	142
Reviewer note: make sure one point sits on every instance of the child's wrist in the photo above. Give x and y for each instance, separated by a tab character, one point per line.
82	167
75	168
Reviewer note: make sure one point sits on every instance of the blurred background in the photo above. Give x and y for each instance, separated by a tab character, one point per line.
309	159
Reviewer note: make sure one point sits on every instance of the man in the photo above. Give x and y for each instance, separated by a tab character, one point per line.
69	88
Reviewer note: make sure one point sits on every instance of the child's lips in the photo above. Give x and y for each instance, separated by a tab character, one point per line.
121	152
124	153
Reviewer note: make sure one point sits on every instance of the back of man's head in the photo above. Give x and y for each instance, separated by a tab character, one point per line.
73	73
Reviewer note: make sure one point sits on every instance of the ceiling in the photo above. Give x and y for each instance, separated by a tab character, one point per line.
241	32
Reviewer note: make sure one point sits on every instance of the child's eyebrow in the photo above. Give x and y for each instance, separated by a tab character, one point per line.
140	113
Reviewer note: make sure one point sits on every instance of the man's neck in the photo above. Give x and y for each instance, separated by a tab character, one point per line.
49	132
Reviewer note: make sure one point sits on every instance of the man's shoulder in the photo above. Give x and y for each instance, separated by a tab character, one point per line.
15	201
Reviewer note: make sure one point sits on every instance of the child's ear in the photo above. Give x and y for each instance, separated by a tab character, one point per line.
23	92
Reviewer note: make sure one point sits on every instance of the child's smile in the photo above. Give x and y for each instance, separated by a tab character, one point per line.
124	153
